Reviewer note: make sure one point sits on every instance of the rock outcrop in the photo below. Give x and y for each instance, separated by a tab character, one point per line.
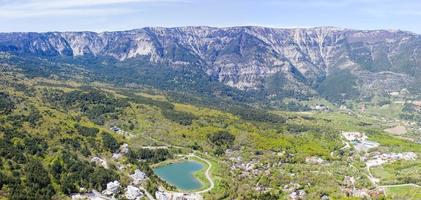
248	58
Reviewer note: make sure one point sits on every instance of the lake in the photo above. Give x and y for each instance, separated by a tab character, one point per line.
180	174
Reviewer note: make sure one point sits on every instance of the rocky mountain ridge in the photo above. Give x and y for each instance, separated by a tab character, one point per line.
248	58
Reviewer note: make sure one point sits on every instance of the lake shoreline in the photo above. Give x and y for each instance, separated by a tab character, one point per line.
199	175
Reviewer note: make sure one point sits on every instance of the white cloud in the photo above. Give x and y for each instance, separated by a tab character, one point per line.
66	4
65	12
28	8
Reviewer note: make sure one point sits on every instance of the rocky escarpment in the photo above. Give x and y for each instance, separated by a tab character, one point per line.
247	58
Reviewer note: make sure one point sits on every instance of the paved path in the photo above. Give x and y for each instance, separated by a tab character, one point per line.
150	197
372	179
163	144
400	185
98	195
207	174
154	147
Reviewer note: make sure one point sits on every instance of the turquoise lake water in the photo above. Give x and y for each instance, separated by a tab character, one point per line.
180	174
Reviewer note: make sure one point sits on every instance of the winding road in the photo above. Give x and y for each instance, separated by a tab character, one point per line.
207	174
370	176
401	185
150	197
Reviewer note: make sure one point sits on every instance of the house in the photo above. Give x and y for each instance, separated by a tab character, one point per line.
138	177
354	136
112	188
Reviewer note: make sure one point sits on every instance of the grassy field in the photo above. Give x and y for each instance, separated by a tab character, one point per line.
276	152
399	172
200	175
403	193
395	144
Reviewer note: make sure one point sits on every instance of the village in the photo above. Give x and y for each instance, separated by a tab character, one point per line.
136	188
372	158
132	192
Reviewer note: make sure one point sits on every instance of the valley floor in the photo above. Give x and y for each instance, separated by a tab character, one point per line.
66	138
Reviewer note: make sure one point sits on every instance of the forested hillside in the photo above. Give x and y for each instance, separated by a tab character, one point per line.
319	113
244	63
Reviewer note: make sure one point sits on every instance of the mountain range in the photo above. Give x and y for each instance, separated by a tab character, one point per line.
331	62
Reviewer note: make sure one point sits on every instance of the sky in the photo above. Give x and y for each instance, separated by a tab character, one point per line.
111	15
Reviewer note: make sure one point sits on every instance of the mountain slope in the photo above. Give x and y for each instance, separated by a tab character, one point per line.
275	61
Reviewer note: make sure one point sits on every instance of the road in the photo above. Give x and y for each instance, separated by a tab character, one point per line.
97	195
207	174
150	197
154	147
372	179
400	185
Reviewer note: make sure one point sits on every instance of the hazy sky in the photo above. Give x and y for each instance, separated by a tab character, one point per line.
105	15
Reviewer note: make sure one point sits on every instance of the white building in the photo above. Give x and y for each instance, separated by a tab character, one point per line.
133	193
390	157
138	177
354	136
112	188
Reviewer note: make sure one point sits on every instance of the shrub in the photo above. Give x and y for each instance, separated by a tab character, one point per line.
110	142
6	104
38	184
86	131
221	138
149	155
182	118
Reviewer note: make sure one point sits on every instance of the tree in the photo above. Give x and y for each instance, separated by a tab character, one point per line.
56	169
38	183
101	177
222	138
219	151
67	185
6	104
86	131
110	142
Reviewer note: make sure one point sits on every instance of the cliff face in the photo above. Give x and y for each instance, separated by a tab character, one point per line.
247	57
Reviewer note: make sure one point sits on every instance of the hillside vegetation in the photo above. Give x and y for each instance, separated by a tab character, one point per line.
72	123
